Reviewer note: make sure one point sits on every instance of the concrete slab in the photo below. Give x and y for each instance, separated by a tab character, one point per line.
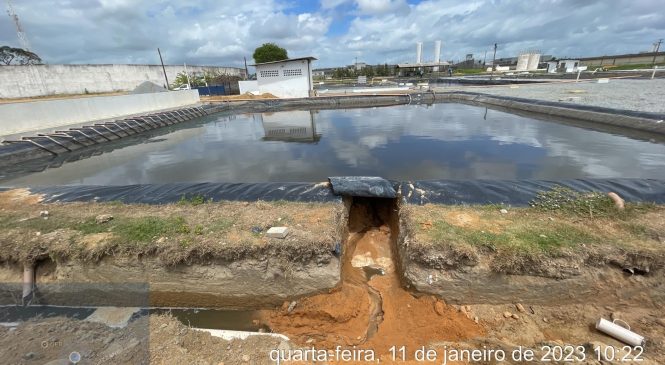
277	232
116	317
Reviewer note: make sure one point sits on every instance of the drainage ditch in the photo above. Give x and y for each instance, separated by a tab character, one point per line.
370	308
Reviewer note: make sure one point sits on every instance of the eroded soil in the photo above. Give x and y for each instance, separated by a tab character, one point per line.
372	313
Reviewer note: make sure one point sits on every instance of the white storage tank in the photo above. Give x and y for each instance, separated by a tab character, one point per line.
522	62
534	60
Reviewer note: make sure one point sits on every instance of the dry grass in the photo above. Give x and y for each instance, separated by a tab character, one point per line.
523	237
193	229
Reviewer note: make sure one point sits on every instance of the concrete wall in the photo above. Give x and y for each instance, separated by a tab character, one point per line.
40	115
292	79
249	86
619	61
29	81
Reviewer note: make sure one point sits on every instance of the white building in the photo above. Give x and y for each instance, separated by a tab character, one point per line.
569	65
290	78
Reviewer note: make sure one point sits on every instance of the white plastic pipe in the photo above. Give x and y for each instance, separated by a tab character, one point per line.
620	333
28	281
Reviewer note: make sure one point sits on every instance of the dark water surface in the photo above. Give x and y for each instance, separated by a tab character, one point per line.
441	141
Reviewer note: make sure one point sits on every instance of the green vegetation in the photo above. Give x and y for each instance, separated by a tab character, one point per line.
90	226
269	52
591	204
370	71
147	229
559	222
125	230
194	199
18	56
468	71
627	67
208	77
221	225
545	238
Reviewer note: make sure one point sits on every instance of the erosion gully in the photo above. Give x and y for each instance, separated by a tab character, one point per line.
371	308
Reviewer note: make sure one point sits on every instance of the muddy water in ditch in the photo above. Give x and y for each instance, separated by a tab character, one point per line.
370	309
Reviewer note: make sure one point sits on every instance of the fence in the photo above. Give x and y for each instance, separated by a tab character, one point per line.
227	88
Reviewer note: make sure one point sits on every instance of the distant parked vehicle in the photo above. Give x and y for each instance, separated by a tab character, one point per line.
183	87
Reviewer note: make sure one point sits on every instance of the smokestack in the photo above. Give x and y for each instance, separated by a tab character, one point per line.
437	51
419	52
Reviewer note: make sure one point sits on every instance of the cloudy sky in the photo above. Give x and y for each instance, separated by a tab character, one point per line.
221	32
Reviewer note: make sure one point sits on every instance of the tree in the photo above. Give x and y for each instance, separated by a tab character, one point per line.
269	52
18	56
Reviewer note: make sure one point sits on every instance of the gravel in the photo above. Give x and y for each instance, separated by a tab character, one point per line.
639	95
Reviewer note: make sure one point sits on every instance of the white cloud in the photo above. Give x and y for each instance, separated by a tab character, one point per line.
375	7
379	31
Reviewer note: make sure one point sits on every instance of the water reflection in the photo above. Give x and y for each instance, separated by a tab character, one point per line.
451	141
294	126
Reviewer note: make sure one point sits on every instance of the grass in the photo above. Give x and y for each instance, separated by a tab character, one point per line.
190	229
583	204
90	226
221	225
125	230
526	237
468	71
558	219
147	229
194	199
629	67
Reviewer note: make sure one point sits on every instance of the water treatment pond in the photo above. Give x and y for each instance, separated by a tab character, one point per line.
411	142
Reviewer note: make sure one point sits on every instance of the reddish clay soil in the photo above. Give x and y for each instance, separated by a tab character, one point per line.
375	313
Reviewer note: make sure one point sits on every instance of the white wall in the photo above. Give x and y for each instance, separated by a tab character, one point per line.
249	86
28	81
40	115
569	65
272	79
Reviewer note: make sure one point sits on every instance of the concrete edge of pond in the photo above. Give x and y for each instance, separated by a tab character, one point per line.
641	121
91	134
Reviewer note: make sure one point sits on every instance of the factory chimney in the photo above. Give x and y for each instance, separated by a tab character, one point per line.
419	52
437	55
437	51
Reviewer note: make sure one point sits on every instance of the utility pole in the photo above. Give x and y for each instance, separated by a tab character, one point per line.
246	71
493	62
163	69
657	44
